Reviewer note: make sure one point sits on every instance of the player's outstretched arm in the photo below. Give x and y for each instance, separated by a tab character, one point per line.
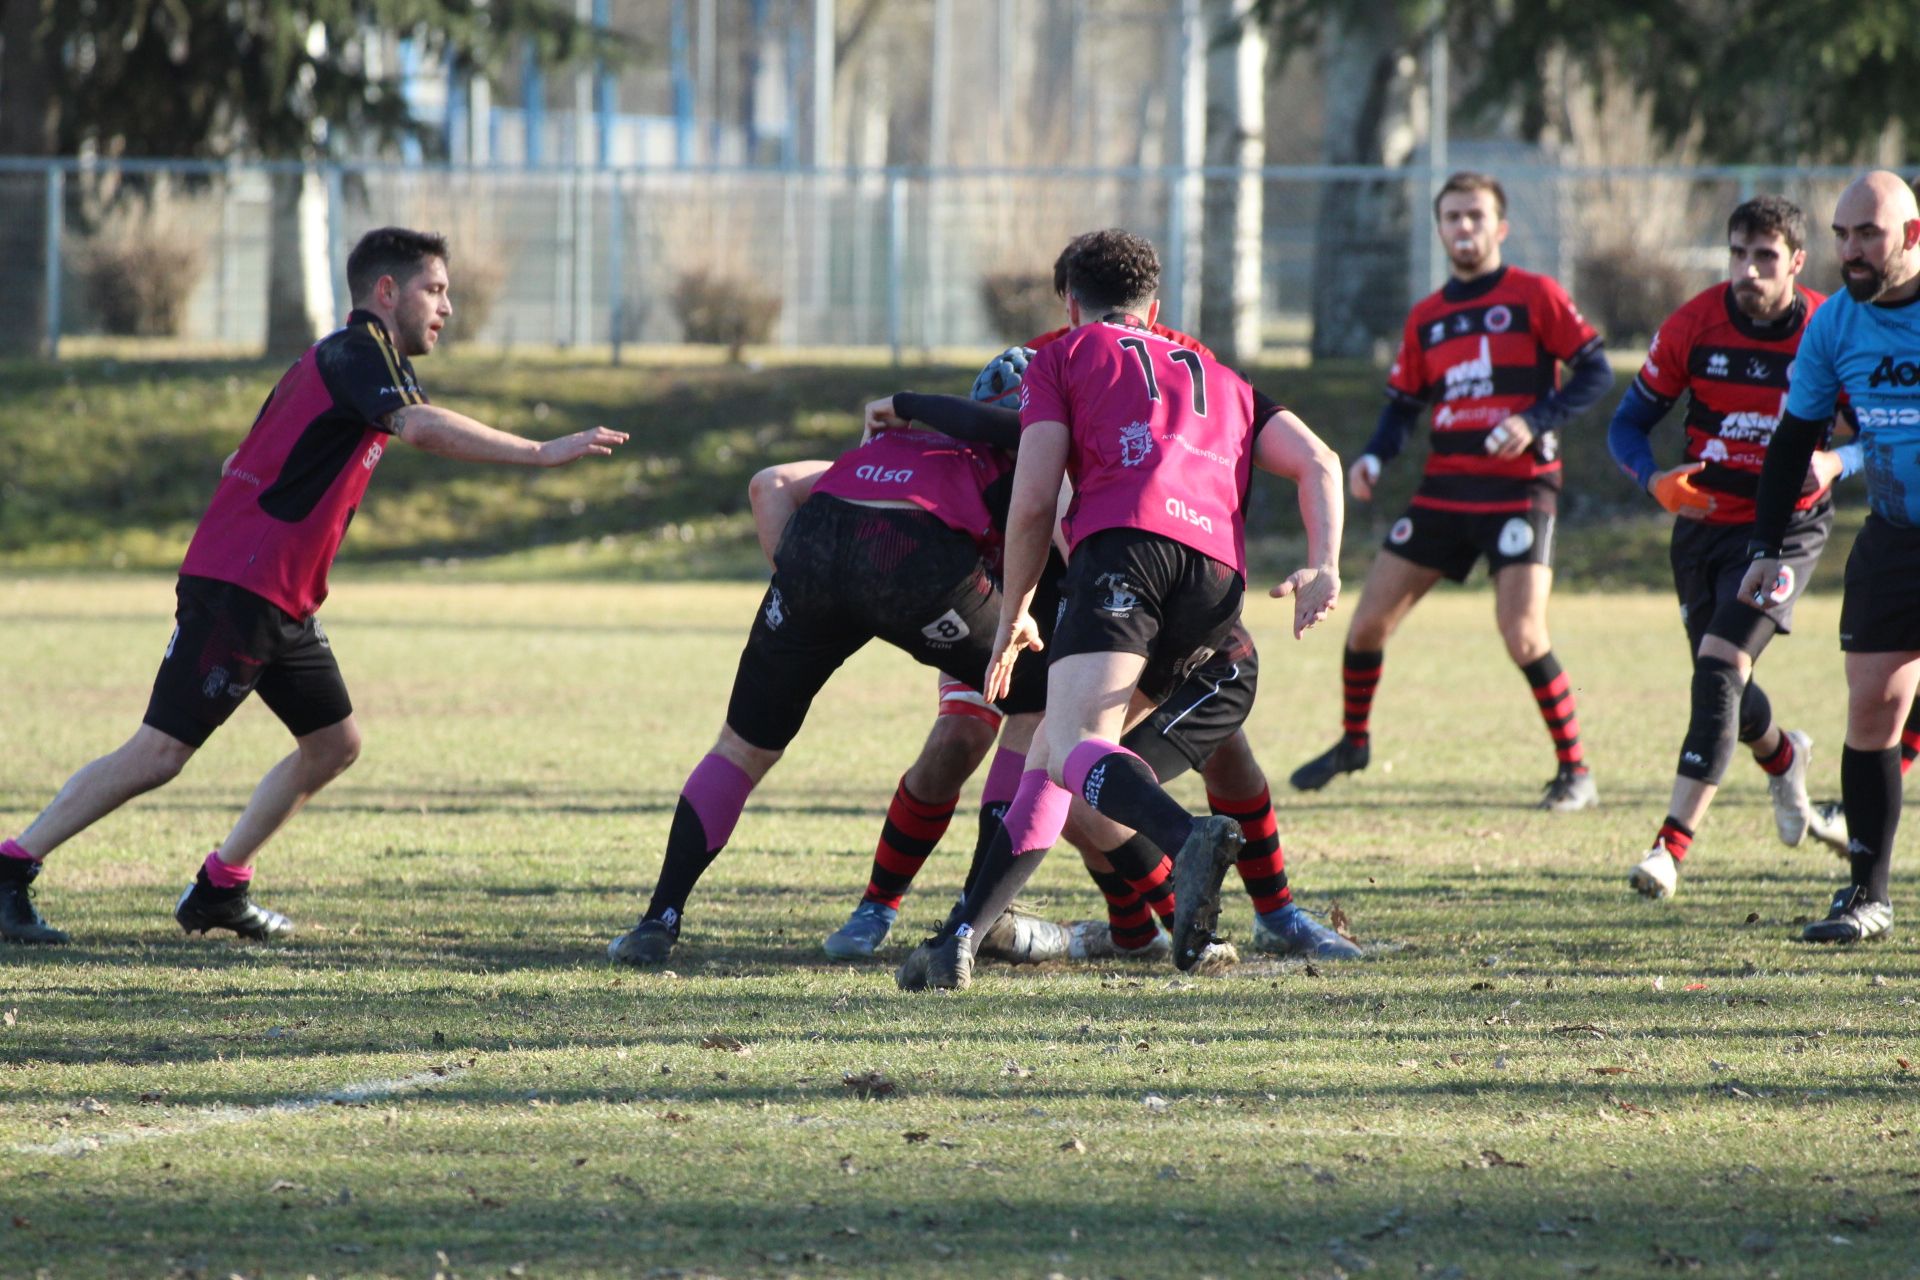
775	493
1286	446
447	434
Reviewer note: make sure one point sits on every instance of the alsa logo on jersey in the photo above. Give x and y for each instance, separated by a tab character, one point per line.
1181	511
884	475
1471	379
1136	442
373	455
1894	373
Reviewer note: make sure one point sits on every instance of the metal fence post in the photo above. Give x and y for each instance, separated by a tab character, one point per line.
56	208
616	263
896	261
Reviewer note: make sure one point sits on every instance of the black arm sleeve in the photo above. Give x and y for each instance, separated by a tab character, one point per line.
1788	453
1397	417
971	420
1588	380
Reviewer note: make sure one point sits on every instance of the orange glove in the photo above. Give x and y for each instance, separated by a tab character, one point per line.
1676	491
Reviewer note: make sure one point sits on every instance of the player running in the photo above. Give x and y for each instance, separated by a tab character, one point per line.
1484	351
1865	345
1729	349
895	542
256	573
1158	439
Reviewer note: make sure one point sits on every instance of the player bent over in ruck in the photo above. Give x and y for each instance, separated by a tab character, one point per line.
256	572
1159	441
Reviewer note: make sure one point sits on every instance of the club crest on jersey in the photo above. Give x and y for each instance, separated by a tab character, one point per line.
1759	369
373	455
776	610
1499	320
1783	582
1136	442
1516	537
1120	601
1401	531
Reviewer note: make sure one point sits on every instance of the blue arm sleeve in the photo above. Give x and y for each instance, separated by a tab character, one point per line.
1397	417
1853	457
1627	435
1587	381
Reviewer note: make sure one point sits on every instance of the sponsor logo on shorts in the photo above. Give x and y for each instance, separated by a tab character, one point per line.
1120	600
1136	442
884	475
1401	531
216	682
946	628
776	609
1783	584
1693	757
1499	319
1181	511
1516	537
373	455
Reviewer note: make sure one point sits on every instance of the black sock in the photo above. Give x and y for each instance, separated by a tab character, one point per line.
992	814
687	860
1870	789
1003	874
1120	785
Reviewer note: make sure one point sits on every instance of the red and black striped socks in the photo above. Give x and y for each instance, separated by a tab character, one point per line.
1554	692
912	829
1676	837
1262	865
1359	681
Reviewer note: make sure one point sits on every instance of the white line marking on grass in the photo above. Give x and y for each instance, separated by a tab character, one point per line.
214	1117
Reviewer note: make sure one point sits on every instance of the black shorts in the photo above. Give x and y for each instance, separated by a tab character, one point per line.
228	642
1206	710
845	574
1880	612
1128	591
1452	541
1710	559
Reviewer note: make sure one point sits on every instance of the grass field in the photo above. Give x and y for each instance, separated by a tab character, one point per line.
1535	1075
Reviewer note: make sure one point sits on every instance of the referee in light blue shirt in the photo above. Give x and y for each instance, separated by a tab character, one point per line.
1865	342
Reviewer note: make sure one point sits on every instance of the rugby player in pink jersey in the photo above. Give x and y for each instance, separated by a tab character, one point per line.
256	573
1159	441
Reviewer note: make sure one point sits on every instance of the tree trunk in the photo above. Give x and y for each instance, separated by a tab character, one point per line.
1360	251
1233	209
28	123
300	306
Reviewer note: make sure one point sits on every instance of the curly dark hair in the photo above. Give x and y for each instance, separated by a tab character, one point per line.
390	251
1112	270
1065	260
1771	215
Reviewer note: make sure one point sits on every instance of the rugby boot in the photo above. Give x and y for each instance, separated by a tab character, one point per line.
1829	826
203	908
1291	931
1854	917
862	934
647	943
1792	811
1213	846
950	961
19	921
1571	789
1020	937
912	973
1093	940
1341	757
1657	875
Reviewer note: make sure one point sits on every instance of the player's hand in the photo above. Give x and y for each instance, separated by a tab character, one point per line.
565	449
1017	634
1314	592
1675	490
1362	476
879	416
1759	583
1510	439
1822	470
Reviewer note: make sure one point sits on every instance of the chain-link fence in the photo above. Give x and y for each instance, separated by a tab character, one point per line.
201	255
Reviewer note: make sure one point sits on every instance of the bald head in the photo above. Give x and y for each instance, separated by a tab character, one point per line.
1876	228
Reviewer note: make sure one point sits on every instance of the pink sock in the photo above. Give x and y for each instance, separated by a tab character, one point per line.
1003	778
12	849
222	876
1038	814
718	790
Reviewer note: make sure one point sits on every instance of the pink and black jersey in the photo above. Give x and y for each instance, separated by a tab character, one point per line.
277	519
943	476
1480	351
1161	436
1734	370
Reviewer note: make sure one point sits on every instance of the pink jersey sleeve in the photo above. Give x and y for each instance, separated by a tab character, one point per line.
1043	392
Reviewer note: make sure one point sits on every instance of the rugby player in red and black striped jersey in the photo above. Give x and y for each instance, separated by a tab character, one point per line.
1729	350
1484	352
256	572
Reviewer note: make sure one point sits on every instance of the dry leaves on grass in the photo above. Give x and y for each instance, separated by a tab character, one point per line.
1612	1071
868	1084
10	1017
1491	1159
724	1043
1581	1030
1014	1069
1342	925
916	1136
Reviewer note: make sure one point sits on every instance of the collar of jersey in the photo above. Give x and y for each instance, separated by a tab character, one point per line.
1771	331
1478	287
